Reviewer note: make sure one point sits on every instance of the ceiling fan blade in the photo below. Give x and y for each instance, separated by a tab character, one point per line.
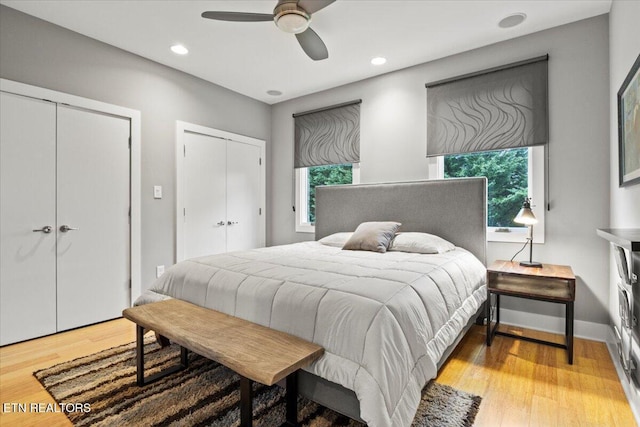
312	6
238	16
312	45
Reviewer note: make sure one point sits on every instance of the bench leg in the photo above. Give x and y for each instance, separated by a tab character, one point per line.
246	402
291	398
140	355
140	379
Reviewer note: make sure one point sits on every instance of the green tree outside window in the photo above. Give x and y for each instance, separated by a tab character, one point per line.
507	180
325	175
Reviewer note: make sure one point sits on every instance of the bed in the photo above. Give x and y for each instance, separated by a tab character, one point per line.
387	321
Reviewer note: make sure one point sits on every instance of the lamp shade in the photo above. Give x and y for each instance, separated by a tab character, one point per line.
526	216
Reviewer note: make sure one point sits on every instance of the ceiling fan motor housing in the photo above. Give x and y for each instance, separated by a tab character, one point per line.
290	17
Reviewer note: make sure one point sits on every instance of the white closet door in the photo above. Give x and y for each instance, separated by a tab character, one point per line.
27	203
204	195
93	200
243	196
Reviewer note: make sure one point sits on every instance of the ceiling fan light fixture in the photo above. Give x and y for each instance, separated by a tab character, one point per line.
292	21
290	16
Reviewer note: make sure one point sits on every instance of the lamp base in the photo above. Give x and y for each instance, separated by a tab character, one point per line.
534	264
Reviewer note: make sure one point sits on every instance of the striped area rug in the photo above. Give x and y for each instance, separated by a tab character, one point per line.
205	394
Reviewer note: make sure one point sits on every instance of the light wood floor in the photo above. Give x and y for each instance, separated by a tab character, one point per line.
521	383
528	384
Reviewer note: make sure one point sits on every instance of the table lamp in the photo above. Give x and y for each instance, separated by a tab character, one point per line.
526	217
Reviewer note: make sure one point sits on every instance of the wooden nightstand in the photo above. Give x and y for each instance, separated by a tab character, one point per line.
551	283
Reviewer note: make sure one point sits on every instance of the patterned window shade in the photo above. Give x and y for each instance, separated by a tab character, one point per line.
496	109
328	136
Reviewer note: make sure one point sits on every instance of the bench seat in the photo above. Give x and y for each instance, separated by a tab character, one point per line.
253	351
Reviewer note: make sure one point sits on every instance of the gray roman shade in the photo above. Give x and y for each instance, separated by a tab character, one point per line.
496	109
328	136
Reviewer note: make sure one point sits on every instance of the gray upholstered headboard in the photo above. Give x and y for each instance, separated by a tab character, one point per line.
454	209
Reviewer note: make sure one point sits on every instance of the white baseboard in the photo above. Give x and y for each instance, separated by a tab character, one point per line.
581	329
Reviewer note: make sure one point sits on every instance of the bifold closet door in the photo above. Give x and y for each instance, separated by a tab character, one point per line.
221	188
204	189
243	196
27	208
93	249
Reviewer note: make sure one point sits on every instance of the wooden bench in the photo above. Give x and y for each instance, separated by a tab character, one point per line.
253	351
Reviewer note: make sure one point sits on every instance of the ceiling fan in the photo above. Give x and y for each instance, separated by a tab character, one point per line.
291	16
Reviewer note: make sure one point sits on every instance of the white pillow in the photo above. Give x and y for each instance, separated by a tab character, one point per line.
422	243
336	239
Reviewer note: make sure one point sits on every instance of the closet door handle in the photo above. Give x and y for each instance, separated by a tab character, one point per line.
46	229
232	222
221	223
64	228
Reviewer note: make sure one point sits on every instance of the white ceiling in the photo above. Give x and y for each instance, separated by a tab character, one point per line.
252	58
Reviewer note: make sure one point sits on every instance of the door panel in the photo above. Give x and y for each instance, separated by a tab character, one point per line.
204	195
27	200
243	196
93	196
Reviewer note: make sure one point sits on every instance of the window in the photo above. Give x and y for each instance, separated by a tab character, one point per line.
306	181
512	175
326	152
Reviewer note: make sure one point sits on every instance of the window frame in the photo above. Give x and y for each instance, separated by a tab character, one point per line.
536	184
302	193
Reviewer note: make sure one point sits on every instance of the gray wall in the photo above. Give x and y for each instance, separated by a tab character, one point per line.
393	138
35	52
624	48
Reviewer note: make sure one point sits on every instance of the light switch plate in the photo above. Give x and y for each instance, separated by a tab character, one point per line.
157	191
159	270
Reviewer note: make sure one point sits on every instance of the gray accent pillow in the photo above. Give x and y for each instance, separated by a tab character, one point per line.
372	236
421	243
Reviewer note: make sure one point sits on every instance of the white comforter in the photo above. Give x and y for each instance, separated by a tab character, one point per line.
384	319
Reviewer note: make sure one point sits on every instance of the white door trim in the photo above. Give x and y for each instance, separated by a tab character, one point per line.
181	128
134	117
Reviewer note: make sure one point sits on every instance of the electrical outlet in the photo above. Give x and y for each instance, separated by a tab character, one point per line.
157	191
159	270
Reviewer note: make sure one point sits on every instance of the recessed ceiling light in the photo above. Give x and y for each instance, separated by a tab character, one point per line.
378	60
512	20
179	49
274	92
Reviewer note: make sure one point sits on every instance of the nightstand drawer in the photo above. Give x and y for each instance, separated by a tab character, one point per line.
531	287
